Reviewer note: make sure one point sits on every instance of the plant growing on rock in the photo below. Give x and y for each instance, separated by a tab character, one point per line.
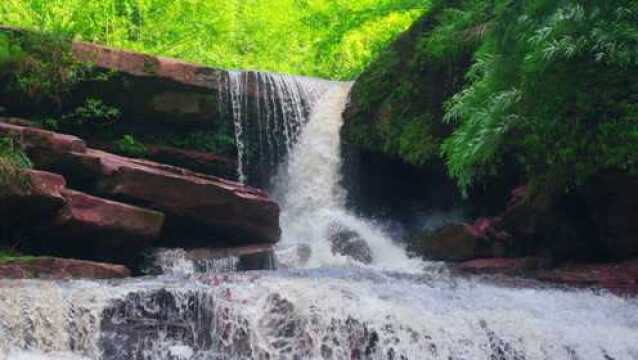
12	161
41	67
128	145
93	113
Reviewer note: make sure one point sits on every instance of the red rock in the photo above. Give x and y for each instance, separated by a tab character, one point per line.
199	161
39	199
459	242
212	208
39	138
231	207
508	266
621	278
59	269
94	228
103	215
147	65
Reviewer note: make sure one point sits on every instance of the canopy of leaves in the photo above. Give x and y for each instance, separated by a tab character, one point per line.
325	38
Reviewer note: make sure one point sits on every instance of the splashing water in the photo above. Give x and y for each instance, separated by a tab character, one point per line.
322	307
313	201
268	111
317	314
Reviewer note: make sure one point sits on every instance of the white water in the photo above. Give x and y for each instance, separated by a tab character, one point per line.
332	308
313	201
268	111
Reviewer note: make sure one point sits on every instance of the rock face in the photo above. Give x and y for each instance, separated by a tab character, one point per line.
60	269
198	161
194	203
395	121
132	203
95	228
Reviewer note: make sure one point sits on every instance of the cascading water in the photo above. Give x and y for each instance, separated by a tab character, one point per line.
313	202
268	111
325	310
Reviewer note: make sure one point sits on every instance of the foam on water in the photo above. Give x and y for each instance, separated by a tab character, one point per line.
324	306
313	201
315	314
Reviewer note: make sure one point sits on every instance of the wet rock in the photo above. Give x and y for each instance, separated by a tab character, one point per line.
59	269
349	243
199	161
199	207
155	323
457	242
547	221
96	228
508	266
620	278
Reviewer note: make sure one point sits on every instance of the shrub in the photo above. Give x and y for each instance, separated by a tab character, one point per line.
128	145
41	67
93	113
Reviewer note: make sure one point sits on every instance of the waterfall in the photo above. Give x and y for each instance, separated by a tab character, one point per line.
348	314
345	290
268	111
309	190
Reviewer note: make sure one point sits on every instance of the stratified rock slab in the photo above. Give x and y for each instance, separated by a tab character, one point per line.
102	229
51	268
197	206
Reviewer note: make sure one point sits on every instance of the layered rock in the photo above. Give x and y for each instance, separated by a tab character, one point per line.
60	269
198	161
96	228
199	208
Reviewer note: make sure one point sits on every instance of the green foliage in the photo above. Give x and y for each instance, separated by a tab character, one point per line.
217	142
12	161
11	255
327	38
41	67
554	82
93	113
129	146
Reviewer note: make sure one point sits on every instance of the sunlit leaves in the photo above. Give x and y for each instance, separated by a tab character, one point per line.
327	38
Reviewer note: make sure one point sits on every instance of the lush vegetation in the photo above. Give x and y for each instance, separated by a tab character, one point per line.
326	38
552	85
554	81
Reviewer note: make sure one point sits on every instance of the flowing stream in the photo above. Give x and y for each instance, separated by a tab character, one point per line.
322	303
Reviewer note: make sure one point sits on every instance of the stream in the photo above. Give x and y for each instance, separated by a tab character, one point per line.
319	303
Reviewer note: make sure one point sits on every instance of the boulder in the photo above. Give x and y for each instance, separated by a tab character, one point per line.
457	242
349	243
51	268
